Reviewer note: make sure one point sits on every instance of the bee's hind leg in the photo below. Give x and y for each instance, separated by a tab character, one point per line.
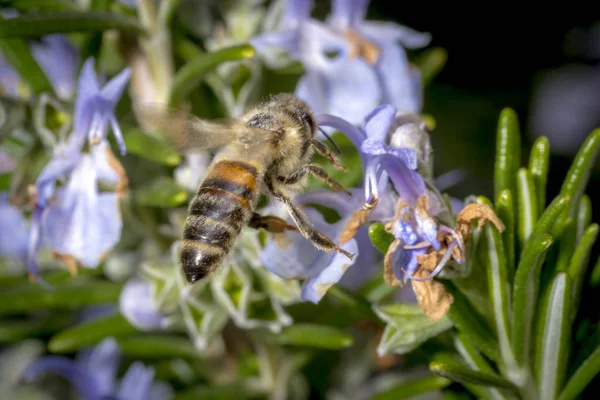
318	239
316	171
270	223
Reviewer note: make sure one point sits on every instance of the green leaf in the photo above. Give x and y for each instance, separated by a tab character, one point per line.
40	5
380	238
475	361
462	374
539	161
549	217
595	276
508	152
18	55
525	294
72	296
191	74
472	325
582	377
407	328
579	173
580	259
554	337
414	388
14	331
431	62
151	148
352	301
40	24
527	205
584	216
157	346
163	192
311	335
506	212
90	333
221	391
376	289
499	288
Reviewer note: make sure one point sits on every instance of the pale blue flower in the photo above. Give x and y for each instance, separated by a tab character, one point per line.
14	232
137	305
351	65
94	375
300	259
56	56
78	221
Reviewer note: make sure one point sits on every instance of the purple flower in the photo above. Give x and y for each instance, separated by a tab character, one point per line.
77	222
348	59
94	375
56	56
298	258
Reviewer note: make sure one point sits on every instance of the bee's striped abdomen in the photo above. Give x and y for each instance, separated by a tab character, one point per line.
222	206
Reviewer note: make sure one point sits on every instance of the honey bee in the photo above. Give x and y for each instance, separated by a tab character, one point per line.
268	149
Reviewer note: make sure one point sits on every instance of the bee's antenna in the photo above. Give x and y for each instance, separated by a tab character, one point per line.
337	149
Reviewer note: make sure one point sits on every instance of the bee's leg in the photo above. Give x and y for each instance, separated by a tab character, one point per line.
323	150
270	223
316	171
320	241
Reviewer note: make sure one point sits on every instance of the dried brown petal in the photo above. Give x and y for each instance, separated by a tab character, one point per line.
115	164
388	269
483	212
429	261
70	262
432	297
362	47
357	220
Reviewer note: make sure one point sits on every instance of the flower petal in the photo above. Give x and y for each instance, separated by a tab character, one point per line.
316	287
83	380
347	13
408	184
351	131
391	32
58	166
103	363
138	307
104	171
58	58
401	87
297	11
88	87
136	383
14	233
377	123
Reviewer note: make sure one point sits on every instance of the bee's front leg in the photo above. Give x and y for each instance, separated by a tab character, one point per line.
270	223
316	171
323	150
319	240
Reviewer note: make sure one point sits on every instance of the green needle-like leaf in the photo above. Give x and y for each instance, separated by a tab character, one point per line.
191	74
525	294
470	323
584	216
549	217
157	346
311	335
539	161
40	5
40	24
595	277
527	205
579	262
163	192
554	337
234	390
431	62
380	238
499	288
579	174
475	361
90	333
150	148
35	297
414	388
508	152
506	212
462	374
582	377
17	54
353	302
14	331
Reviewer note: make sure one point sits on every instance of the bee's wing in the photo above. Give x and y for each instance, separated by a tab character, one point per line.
189	133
